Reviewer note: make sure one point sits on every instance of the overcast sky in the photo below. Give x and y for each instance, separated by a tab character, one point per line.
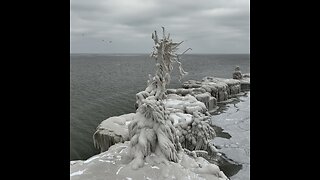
125	26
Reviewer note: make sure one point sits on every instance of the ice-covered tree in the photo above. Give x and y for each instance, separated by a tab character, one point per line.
165	54
151	131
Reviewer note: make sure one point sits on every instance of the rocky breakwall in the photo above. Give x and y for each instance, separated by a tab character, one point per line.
189	109
211	90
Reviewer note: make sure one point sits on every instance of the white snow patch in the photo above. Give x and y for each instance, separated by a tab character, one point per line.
128	122
88	160
106	161
155	167
75	162
187	117
128	178
119	170
173	103
175	118
110	156
77	173
105	155
121	151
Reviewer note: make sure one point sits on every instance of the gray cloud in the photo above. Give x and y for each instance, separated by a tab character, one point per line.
207	26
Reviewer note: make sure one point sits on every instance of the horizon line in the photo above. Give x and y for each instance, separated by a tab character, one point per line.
149	53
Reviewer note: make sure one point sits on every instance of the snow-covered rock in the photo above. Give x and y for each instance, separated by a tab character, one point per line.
115	164
112	130
208	100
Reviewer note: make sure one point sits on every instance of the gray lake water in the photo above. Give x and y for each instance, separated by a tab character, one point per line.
105	85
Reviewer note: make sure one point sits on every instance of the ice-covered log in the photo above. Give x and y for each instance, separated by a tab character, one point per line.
112	130
114	164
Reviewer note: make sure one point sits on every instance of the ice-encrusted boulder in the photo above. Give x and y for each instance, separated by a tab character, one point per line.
237	73
233	88
244	78
112	130
208	100
190	118
200	94
196	134
114	164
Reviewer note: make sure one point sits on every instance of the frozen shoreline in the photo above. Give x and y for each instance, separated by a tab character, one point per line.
235	122
114	130
202	96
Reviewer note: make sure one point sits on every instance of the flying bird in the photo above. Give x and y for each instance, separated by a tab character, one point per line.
106	41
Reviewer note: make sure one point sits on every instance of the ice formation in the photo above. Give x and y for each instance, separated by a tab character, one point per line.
237	73
165	55
111	131
151	131
164	124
